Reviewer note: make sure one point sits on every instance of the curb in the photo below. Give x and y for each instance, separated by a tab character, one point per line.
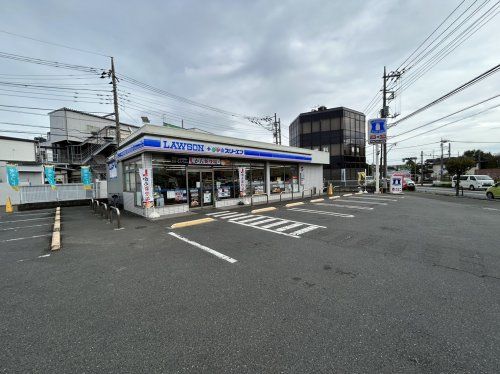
56	232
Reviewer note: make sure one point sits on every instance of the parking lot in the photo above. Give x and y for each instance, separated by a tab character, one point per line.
360	283
25	236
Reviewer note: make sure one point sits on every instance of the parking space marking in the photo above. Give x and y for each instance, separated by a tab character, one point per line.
27	237
275	225
25	227
491	208
216	213
372	198
204	248
323	212
222	214
288	227
234	215
362	202
24	220
32	214
346	206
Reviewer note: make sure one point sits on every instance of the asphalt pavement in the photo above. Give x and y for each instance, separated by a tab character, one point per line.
358	284
474	194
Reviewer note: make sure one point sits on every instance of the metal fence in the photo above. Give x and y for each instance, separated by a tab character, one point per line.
62	192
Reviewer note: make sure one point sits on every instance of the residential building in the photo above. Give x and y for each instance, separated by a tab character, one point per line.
77	138
341	132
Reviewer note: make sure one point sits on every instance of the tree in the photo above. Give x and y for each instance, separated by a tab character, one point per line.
485	160
458	166
414	168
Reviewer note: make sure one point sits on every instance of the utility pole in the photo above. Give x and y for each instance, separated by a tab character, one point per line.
422	168
182	123
279	131
449	149
441	173
115	102
276	132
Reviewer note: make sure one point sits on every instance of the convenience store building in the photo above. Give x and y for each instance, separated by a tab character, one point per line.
188	170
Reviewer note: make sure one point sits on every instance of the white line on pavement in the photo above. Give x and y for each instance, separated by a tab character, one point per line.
24	227
234	215
323	212
347	206
31	214
491	208
288	227
27	237
42	256
258	218
304	230
264	221
24	220
204	248
361	202
222	214
266	229
218	212
373	198
280	222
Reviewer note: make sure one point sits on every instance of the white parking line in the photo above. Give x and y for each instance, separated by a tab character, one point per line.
288	227
231	215
323	212
491	208
27	237
347	206
304	230
24	220
31	214
264	221
274	224
221	214
204	248
259	218
24	227
373	198
362	202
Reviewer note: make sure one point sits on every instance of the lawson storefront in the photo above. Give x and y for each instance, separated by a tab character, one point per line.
167	171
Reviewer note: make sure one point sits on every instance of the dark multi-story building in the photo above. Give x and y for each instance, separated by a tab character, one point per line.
341	131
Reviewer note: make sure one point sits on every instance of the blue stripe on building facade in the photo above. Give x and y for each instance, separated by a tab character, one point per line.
156	143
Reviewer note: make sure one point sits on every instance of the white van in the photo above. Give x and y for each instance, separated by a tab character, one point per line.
473	182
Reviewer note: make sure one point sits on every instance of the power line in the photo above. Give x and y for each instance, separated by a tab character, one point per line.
447	116
54	44
464	86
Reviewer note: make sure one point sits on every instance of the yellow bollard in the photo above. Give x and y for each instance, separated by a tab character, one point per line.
330	190
8	206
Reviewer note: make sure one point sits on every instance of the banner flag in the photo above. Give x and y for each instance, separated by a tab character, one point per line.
50	175
86	176
13	176
146	187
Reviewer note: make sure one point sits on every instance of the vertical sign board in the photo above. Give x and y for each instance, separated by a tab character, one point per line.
86	177
377	130
112	169
302	175
242	172
342	175
13	176
146	187
397	184
50	175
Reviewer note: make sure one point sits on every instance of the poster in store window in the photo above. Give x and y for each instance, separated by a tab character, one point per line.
146	187
242	172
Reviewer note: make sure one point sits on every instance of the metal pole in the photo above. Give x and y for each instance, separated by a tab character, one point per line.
115	102
441	171
377	171
384	115
422	166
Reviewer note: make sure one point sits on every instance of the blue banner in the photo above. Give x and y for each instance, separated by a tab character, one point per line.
50	175
13	176
86	176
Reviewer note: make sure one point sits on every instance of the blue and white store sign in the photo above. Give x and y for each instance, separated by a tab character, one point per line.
377	130
172	145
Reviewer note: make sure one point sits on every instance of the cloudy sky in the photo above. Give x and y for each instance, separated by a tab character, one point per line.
254	58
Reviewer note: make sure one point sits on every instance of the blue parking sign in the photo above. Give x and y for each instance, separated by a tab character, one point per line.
377	130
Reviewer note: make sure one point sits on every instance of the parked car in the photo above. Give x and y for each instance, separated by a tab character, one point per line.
408	184
473	182
493	192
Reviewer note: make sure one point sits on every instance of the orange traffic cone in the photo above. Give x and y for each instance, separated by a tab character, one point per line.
8	206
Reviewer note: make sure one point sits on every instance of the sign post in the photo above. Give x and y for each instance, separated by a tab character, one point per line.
397	184
377	134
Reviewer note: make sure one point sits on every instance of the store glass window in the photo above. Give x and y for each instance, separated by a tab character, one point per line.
315	127
291	175
169	183
276	178
132	180
336	124
225	186
258	179
325	125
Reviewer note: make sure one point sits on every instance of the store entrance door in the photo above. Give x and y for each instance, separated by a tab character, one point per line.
201	188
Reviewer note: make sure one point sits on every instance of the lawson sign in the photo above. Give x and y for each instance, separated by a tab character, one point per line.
172	145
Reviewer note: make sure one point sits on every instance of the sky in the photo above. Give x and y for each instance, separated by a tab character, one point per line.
252	59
